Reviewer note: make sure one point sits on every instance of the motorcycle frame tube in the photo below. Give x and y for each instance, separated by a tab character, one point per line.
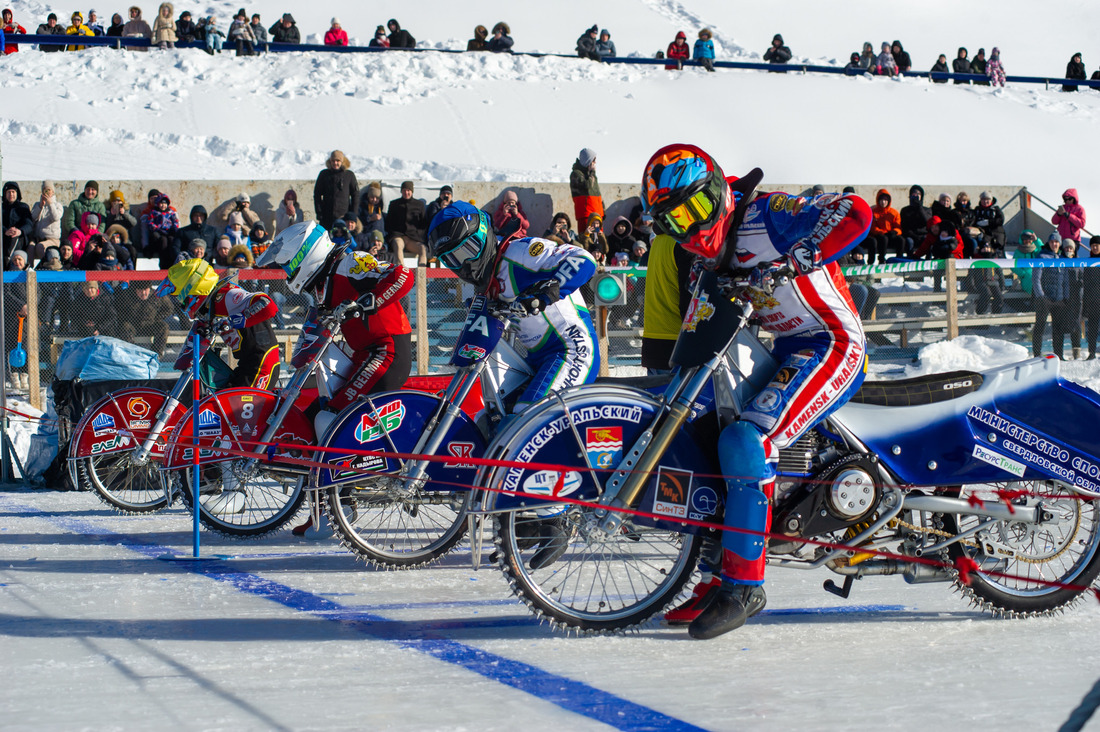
998	511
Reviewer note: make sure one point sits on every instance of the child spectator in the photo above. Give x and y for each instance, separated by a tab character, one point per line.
1075	69
901	58
961	65
586	44
235	229
240	34
241	257
703	52
380	39
885	228
995	70
940	67
10	26
336	35
163	224
867	58
885	65
778	53
258	239
501	42
118	238
1070	216
221	251
372	209
164	28
509	218
213	36
477	43
677	52
399	38
605	46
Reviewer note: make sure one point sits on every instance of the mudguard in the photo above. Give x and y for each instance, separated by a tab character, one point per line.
608	421
236	419
121	421
394	422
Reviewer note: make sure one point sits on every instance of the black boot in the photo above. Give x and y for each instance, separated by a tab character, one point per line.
728	609
549	535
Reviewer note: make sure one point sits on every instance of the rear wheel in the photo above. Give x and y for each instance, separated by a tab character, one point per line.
122	485
1064	548
243	499
569	570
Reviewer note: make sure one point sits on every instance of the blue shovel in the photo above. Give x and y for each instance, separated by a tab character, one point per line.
17	359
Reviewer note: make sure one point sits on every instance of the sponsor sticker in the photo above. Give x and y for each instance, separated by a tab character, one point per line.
704	503
604	446
373	425
138	407
1000	461
673	489
752	213
347	467
699	311
116	442
102	423
209	423
545	483
139	424
472	352
777	202
767	400
536	248
784	377
460	450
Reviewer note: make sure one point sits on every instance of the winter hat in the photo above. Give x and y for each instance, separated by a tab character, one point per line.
446	189
381	31
163	198
586	156
621	259
705	33
681	34
117	229
407	185
376	189
640	247
336	21
225	238
854	57
92	220
339	156
53	255
1054	237
510	196
593	29
117	196
258	228
479	32
985	195
197	243
243	198
236	218
47	185
92	184
377	235
20	254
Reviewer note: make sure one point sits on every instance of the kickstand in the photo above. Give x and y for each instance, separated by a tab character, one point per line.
844	591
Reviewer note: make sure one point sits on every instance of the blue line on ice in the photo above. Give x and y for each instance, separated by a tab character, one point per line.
568	694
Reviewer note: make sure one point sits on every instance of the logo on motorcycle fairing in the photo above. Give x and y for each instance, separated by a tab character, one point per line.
699	311
348	467
545	483
472	352
673	489
604	446
460	450
373	425
102	423
209	423
704	503
138	407
116	442
1000	461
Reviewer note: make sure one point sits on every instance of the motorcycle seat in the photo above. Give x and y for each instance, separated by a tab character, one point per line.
928	389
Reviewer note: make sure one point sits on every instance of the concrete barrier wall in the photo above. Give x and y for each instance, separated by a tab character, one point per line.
540	201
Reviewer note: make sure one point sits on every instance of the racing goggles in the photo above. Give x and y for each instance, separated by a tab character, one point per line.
468	250
699	209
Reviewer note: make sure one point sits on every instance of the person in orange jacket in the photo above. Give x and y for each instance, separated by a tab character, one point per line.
885	228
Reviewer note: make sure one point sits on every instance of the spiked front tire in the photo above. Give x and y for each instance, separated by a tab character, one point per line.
125	487
246	506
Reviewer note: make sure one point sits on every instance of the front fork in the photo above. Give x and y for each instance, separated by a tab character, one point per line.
141	455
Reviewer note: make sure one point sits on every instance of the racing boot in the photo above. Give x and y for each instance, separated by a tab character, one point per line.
727	608
688	610
549	535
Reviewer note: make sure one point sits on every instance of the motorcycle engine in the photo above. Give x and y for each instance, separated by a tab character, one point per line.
843	493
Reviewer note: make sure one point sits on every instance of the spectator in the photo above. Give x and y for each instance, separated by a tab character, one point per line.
242	204
885	228
853	66
163	224
509	219
901	57
446	193
50	28
115	29
146	315
68	260
336	35
677	53
258	32
1095	77
621	238
236	230
289	212
18	221
94	25
93	248
196	250
221	251
398	37
79	29
93	313
17	262
1075	69
9	27
477	43
778	53
1025	249
561	230
406	225
258	239
1071	316
961	65
639	254
501	42
991	222
995	70
340	234
940	67
241	257
372	209
1090	297
868	59
164	28
605	47
985	281
186	30
914	219
140	237
584	187
643	227
118	213
1070	216
285	30
47	213
942	242
197	229
586	44
380	40
240	35
1051	288
51	262
212	36
137	28
593	238
336	192
703	52
375	245
978	66
117	237
86	201
885	64
967	215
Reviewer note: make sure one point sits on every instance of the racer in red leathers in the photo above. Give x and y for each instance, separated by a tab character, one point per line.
786	248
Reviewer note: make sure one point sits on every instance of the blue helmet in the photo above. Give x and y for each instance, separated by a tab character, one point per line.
461	237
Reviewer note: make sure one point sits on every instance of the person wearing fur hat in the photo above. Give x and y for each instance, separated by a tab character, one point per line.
164	27
703	52
18	221
77	29
136	28
586	44
678	52
336	35
336	192
501	42
605	46
85	202
118	237
372	209
477	43
240	256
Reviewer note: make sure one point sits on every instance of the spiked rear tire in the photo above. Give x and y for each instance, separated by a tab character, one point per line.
125	487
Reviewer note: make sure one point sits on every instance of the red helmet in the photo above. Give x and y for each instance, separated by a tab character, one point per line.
687	195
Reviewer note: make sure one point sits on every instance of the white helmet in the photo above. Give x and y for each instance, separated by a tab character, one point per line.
302	251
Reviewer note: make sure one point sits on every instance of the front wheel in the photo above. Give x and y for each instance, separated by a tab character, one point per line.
1064	549
126	487
241	498
566	568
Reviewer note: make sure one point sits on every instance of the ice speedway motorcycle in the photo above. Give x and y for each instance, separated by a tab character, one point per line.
996	468
120	441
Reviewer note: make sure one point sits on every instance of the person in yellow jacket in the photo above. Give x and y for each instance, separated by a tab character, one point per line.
77	29
666	300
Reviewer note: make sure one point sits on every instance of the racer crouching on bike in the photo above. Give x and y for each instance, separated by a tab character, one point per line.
543	277
203	296
785	247
378	333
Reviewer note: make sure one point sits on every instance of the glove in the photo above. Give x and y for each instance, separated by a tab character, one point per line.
766	277
539	296
803	258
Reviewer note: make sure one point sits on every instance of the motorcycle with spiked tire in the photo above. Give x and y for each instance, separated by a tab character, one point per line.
988	471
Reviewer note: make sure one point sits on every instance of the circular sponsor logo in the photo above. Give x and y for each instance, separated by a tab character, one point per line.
766	400
704	500
138	407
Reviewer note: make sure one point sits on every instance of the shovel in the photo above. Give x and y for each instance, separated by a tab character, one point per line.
17	359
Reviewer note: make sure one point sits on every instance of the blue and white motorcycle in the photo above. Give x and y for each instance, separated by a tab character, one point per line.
999	468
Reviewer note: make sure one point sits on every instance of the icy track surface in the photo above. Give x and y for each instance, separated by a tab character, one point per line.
97	633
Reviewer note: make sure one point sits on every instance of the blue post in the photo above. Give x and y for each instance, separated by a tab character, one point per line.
195	442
